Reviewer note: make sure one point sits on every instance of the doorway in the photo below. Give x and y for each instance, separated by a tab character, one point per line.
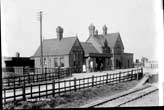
118	64
99	61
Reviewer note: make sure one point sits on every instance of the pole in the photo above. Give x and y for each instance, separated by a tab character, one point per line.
41	55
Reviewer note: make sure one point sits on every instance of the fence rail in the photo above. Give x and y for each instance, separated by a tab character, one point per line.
49	75
57	88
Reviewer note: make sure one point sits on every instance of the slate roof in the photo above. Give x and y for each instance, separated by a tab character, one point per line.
111	39
88	48
56	47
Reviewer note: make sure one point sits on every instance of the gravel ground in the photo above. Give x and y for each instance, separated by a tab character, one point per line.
149	100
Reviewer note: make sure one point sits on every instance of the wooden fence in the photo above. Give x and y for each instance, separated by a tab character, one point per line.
49	75
58	88
27	70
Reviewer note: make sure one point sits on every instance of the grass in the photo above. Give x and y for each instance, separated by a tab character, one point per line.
92	94
75	99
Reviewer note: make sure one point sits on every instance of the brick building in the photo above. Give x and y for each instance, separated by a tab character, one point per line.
100	51
110	43
60	52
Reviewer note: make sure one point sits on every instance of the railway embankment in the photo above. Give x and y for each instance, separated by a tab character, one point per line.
76	99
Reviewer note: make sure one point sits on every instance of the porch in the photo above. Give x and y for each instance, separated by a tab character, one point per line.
97	62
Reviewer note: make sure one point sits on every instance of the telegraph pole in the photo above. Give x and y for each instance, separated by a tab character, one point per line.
41	45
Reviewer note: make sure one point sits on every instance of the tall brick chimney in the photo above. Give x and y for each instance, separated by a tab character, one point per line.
91	30
59	31
105	30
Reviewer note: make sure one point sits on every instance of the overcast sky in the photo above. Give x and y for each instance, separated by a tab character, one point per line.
133	19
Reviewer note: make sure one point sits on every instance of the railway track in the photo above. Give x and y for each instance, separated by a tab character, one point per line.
123	98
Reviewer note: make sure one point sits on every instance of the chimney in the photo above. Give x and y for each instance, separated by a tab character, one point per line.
17	54
91	30
96	32
59	31
105	30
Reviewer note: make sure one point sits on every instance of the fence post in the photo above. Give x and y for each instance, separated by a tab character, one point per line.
138	75
31	90
107	78
58	73
74	84
131	76
19	80
28	78
4	96
33	78
92	80
14	91
8	80
24	91
46	90
59	87
53	88
39	90
45	71
120	76
141	72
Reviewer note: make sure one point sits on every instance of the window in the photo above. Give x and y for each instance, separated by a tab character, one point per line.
74	56
62	62
55	62
108	61
44	61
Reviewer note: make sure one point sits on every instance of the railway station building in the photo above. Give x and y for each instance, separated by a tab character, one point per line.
99	52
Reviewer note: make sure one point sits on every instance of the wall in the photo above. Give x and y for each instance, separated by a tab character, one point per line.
76	55
118	64
123	59
50	61
128	57
108	64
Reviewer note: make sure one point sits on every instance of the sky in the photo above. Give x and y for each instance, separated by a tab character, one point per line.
133	19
